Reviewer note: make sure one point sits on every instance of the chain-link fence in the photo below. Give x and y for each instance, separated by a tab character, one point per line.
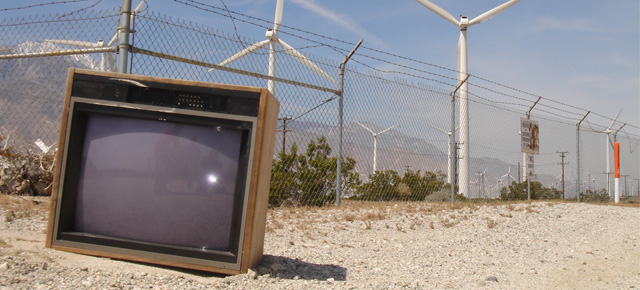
397	113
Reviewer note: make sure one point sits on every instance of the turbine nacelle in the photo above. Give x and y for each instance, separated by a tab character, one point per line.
271	34
464	22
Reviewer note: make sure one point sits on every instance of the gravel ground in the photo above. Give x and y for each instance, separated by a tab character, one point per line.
536	245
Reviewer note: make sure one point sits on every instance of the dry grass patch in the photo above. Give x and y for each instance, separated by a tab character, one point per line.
491	223
4	244
18	207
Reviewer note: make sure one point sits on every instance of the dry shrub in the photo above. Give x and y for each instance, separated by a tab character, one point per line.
18	207
27	173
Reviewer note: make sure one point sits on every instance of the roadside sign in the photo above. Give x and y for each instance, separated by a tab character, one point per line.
529	133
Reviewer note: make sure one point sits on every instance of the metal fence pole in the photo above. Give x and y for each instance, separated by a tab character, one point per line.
578	156
341	123
123	30
452	138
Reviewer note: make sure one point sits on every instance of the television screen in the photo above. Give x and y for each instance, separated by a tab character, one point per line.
140	174
160	171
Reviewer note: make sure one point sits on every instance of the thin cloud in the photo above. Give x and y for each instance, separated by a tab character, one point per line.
341	20
572	25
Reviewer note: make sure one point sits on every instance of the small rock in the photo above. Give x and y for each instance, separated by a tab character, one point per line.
533	271
330	280
584	263
4	267
84	269
252	274
45	266
589	252
492	279
86	283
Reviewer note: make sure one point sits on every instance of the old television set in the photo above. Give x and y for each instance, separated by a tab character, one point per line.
163	171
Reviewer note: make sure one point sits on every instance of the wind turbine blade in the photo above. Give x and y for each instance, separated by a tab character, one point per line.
113	39
136	10
244	52
301	58
278	18
139	6
441	12
111	61
493	12
77	43
614	120
385	130
434	127
363	126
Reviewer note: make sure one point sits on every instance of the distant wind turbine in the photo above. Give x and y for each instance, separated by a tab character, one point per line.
272	39
463	24
108	61
508	176
449	152
375	141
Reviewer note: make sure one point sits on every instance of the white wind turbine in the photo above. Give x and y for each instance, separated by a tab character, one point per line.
508	176
375	141
272	39
463	107
449	152
108	60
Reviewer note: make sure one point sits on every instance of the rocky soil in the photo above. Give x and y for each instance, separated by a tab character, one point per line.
538	245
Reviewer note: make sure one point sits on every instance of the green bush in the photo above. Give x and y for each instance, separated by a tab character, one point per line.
309	179
388	185
595	196
518	191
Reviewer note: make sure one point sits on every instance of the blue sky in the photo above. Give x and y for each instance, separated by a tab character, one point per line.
585	53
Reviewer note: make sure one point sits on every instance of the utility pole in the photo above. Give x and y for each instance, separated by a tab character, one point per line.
284	132
562	163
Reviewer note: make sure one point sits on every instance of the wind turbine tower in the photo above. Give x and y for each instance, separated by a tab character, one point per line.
450	171
375	141
463	106
272	39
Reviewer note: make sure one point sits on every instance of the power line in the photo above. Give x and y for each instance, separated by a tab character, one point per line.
229	12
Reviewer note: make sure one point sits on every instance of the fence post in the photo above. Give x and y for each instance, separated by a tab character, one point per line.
123	31
578	156
341	123
452	139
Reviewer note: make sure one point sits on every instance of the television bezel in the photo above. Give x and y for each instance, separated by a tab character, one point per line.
245	248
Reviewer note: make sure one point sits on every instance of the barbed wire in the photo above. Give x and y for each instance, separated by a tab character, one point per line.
82	9
225	12
41	5
21	21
